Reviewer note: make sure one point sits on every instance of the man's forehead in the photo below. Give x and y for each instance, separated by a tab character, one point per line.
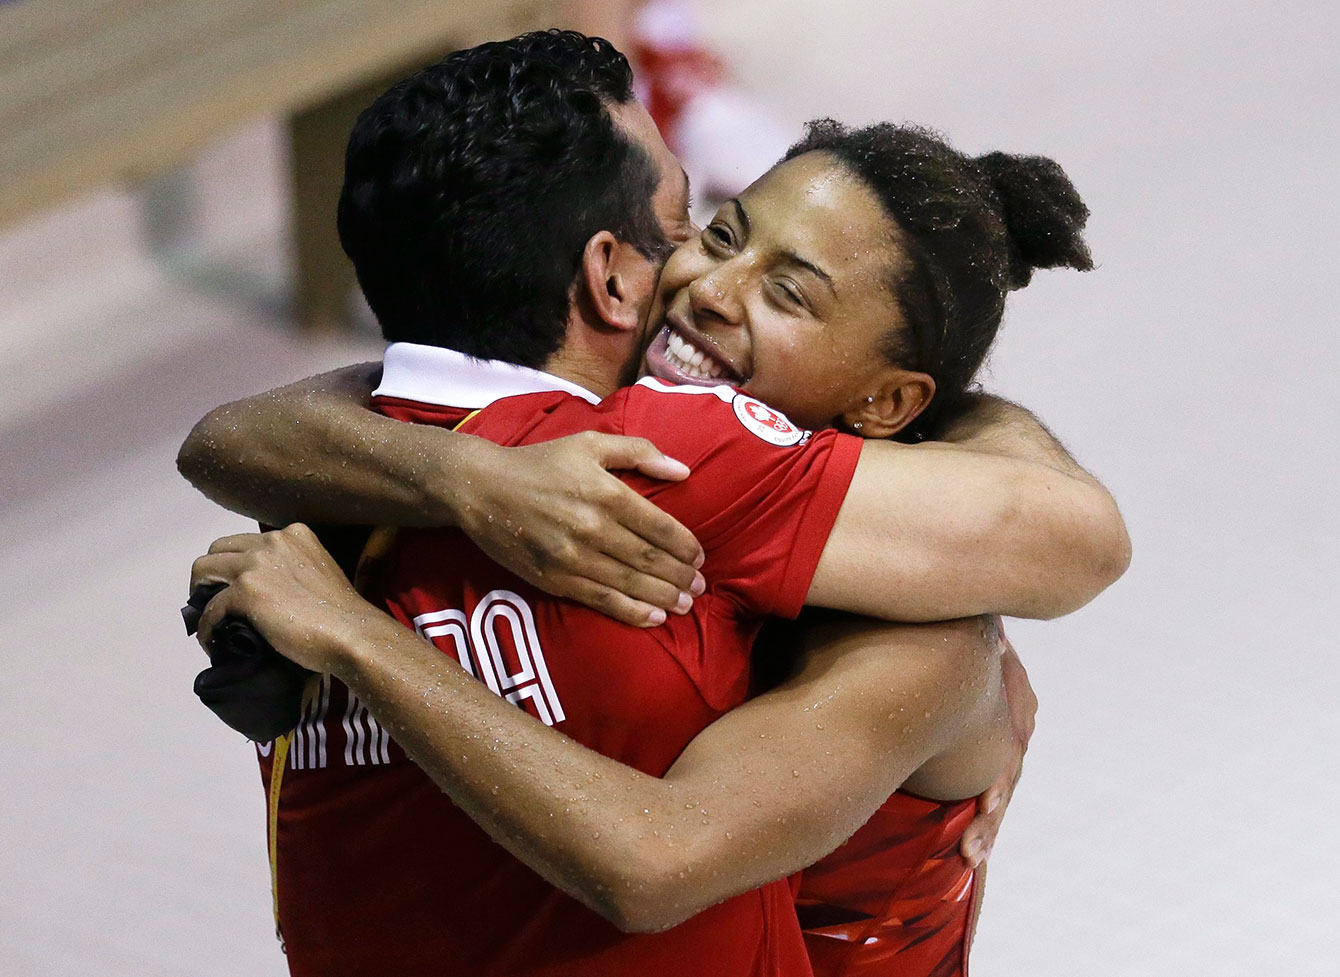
671	197
637	124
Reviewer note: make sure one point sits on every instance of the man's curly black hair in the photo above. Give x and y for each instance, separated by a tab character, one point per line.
471	188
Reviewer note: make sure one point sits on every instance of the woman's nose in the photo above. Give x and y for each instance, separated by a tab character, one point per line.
716	296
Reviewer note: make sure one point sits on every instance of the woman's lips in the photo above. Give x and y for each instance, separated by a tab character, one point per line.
675	358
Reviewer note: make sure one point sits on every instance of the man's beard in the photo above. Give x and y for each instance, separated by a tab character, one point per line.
632	370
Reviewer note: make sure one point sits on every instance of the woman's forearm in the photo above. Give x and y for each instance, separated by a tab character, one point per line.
766	790
313	452
552	513
586	823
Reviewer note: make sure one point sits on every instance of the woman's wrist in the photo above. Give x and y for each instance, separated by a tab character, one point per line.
360	642
437	473
451	494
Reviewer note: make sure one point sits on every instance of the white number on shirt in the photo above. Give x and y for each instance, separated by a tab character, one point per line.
476	641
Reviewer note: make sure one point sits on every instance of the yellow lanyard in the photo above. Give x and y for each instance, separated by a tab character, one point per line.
277	763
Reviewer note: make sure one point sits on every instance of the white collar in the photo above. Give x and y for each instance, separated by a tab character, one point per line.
433	375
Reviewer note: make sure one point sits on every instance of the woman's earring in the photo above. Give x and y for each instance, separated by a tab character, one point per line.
856	426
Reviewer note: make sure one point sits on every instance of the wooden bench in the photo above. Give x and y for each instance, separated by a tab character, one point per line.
94	92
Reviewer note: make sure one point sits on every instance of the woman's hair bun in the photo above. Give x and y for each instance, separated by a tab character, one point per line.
1043	214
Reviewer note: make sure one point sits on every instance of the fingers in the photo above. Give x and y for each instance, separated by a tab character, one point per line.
214	567
616	452
239	543
649	560
980	837
638	587
592	538
649	522
215	611
611	602
973	846
638	515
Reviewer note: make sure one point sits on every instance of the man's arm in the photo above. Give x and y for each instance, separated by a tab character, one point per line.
980	836
766	790
551	513
994	425
1000	521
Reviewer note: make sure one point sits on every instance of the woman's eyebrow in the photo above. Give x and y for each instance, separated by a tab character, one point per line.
811	267
740	214
790	256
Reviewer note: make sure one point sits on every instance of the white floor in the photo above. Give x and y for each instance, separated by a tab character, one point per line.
1178	812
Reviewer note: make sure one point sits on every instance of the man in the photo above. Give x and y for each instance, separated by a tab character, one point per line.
601	329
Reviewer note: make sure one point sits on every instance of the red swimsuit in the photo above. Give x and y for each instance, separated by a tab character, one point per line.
896	898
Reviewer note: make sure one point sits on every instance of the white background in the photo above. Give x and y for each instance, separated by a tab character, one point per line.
1178	810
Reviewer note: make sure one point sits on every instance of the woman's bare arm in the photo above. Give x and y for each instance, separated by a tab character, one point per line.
551	513
1001	522
766	790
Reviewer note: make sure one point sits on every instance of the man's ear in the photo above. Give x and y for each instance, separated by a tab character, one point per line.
900	397
618	280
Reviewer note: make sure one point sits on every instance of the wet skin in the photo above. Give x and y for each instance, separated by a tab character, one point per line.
785	294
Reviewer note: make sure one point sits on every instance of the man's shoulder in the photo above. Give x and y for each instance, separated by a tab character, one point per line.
718	414
686	421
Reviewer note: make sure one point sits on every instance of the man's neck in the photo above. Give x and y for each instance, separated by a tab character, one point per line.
600	367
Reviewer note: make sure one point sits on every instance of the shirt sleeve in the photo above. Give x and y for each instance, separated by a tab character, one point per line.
763	494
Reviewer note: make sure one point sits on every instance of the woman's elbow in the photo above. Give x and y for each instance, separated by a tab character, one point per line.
650	895
198	459
637	918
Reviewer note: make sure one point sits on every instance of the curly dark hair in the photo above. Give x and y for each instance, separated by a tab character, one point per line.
472	187
970	230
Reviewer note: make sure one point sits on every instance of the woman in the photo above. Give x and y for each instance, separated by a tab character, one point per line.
860	283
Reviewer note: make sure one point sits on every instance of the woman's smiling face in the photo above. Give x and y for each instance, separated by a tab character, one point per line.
786	293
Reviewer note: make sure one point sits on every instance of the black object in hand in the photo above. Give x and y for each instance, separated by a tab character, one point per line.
249	685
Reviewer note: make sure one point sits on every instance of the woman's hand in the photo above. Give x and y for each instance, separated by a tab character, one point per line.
312	452
554	515
289	588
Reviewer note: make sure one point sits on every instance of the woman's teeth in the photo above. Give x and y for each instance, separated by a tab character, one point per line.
691	360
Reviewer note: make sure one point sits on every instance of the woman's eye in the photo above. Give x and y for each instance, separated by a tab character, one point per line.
788	293
718	235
